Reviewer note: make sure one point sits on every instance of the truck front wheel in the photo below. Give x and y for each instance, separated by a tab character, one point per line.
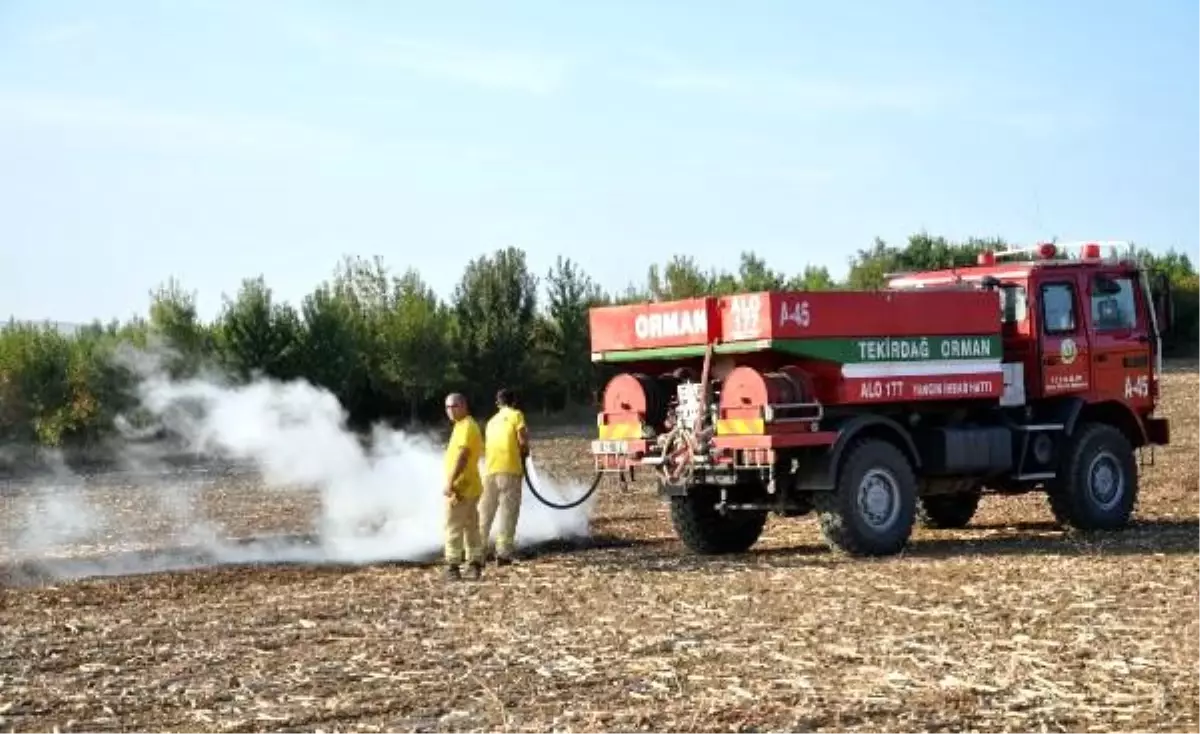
1097	486
873	506
706	531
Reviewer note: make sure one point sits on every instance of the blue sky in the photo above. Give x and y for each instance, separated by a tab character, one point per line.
217	140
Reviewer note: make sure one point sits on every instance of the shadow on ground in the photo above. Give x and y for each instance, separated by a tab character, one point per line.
1148	537
256	552
613	553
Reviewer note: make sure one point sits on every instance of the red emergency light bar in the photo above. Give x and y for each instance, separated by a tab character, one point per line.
1050	250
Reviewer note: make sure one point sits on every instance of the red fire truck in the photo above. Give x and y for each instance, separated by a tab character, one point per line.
1034	371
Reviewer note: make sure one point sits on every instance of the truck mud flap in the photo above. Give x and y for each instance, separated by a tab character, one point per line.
1158	431
816	473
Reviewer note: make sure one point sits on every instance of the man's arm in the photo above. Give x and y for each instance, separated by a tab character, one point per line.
460	465
522	437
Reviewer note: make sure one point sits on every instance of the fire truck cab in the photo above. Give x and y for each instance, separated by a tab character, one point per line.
1083	324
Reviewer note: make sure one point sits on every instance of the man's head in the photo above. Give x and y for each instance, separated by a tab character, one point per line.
505	398
456	406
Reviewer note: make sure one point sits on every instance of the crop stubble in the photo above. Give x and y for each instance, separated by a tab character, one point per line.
1006	626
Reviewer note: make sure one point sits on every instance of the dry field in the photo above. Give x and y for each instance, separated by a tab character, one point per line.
1006	626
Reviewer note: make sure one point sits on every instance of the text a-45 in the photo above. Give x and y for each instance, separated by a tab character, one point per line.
794	313
1137	386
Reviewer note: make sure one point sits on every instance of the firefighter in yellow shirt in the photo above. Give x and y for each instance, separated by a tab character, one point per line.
462	488
507	445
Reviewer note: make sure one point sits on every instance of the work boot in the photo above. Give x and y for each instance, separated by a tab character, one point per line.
475	571
503	559
452	572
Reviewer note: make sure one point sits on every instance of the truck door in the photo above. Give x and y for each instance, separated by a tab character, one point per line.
1063	342
1121	351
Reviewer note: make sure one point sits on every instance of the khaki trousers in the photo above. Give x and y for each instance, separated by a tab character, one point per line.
503	492
462	531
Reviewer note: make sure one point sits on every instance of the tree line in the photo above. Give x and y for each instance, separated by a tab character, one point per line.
388	347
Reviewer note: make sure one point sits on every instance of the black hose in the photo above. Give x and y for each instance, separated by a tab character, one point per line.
556	505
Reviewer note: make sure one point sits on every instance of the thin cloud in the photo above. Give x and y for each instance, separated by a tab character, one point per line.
665	71
90	119
803	176
696	81
1031	123
63	34
494	69
800	93
170	128
1048	121
505	70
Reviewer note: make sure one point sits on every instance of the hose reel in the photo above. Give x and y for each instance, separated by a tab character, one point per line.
650	395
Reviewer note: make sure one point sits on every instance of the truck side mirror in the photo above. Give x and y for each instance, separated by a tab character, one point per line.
1162	302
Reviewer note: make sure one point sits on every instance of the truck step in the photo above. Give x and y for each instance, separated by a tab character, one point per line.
1035	476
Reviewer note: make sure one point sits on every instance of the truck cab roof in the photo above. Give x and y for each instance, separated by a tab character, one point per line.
1083	255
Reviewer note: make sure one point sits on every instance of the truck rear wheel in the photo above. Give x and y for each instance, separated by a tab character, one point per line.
873	506
1097	486
707	532
948	511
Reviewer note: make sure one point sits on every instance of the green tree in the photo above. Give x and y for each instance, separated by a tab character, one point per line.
418	356
256	335
814	278
174	321
329	347
869	268
680	278
494	309
566	340
755	275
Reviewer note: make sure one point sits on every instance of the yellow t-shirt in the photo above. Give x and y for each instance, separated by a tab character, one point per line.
503	450
465	433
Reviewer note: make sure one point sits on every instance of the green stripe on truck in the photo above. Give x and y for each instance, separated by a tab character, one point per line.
859	350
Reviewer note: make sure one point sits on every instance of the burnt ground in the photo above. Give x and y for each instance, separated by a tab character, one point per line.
1008	625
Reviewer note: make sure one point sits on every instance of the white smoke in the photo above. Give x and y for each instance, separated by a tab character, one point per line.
56	511
380	501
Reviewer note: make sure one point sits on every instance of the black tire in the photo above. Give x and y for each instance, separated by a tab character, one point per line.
947	511
845	525
707	532
1097	485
